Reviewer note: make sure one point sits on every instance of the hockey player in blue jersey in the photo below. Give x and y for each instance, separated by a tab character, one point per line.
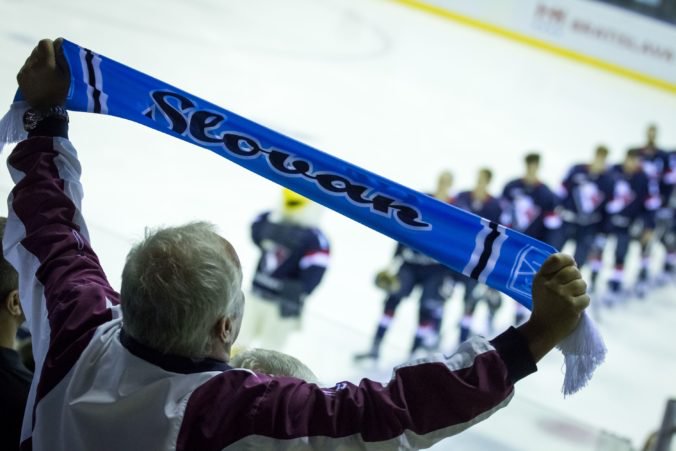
529	206
585	191
409	269
669	236
294	257
480	202
630	203
655	164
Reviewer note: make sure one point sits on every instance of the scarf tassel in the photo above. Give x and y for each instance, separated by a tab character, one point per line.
11	124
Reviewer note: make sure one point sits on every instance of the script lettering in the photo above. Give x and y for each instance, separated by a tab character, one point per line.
201	122
207	127
278	160
242	146
177	120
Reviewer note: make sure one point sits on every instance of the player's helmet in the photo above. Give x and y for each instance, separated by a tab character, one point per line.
299	210
293	202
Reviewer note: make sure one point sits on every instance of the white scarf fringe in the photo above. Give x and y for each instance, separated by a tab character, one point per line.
583	351
11	124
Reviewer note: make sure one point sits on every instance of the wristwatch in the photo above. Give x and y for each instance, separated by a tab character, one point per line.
33	117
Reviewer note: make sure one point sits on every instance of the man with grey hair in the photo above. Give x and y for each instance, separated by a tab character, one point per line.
148	370
185	277
274	363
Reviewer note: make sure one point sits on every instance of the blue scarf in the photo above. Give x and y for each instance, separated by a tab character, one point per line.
483	250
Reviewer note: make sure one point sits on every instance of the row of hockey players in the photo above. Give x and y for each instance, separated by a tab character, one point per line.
626	200
632	199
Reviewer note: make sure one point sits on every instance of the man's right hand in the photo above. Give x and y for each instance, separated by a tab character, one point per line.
559	299
44	79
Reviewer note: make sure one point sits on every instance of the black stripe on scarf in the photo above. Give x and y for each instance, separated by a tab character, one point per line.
91	76
487	251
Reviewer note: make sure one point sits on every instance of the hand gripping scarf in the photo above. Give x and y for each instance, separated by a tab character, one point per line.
488	252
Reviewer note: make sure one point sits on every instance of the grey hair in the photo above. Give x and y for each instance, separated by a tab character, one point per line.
176	284
273	363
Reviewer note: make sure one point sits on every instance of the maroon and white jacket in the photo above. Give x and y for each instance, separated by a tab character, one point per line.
96	388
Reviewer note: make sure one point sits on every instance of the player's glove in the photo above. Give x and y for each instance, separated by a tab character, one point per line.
385	280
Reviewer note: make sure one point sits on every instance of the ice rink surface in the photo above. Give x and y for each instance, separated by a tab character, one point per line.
399	92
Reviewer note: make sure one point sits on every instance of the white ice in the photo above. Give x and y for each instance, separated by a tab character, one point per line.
399	92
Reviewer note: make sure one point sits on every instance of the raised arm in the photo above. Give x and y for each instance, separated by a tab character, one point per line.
63	289
426	400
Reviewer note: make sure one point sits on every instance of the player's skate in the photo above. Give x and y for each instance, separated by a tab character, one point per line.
426	342
371	354
611	297
641	289
642	286
666	277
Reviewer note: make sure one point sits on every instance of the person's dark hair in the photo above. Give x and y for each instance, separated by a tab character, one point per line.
633	153
9	278
532	158
602	151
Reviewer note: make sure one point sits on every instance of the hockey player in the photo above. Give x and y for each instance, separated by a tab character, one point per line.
669	237
294	257
630	203
480	202
655	164
585	191
409	269
529	207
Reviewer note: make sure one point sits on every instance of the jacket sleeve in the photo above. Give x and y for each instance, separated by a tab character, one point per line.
426	401
63	289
